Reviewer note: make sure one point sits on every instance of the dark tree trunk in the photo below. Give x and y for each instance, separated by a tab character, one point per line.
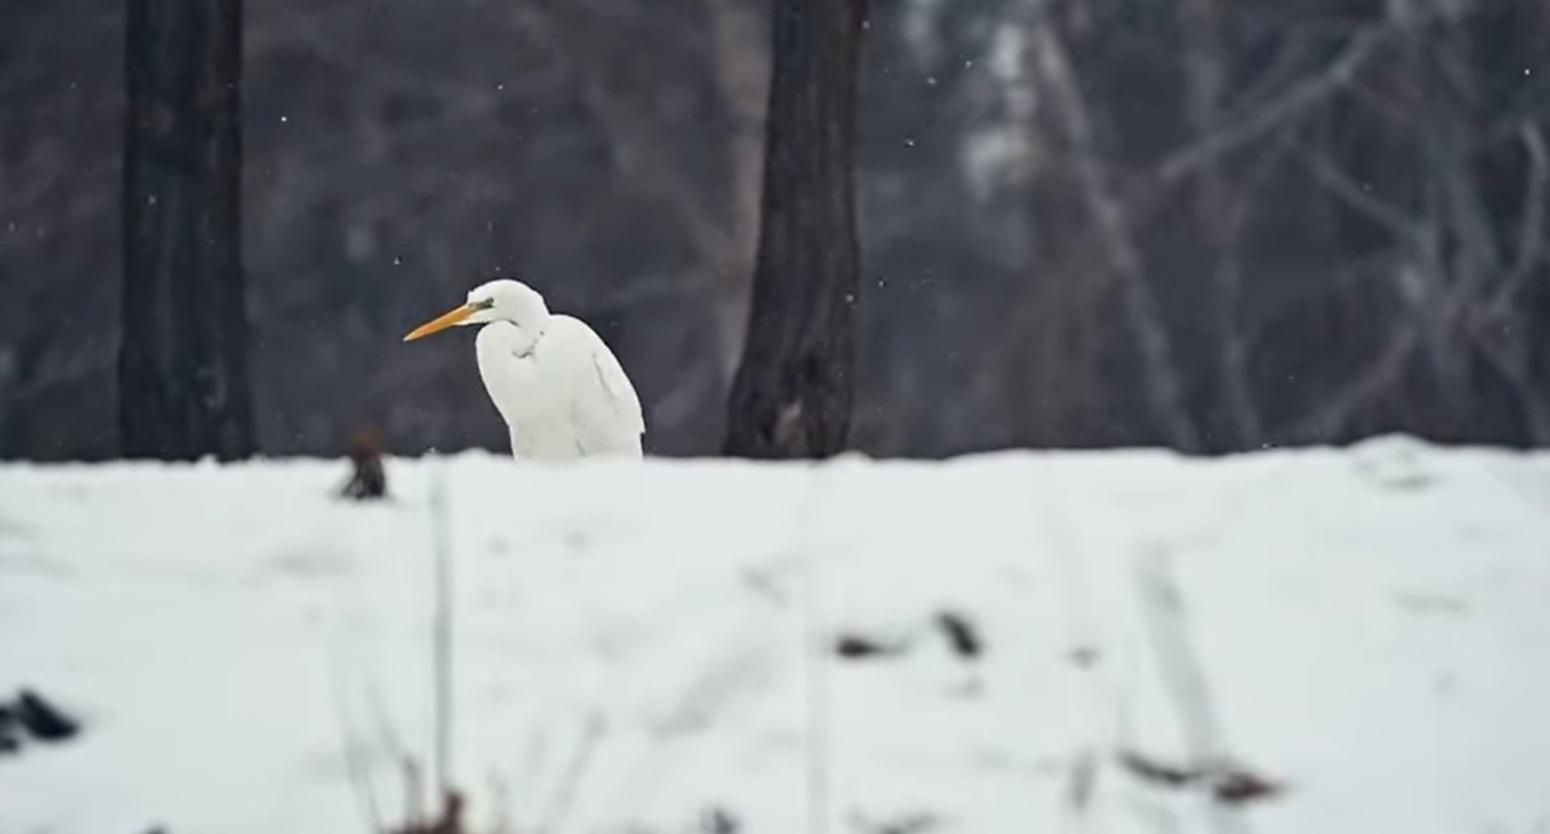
793	390
183	363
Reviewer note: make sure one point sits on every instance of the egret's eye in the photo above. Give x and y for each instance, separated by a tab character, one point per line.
484	304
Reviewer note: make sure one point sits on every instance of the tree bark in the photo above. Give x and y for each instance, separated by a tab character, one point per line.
791	397
183	361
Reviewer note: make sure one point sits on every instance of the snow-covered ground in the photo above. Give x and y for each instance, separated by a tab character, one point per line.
640	645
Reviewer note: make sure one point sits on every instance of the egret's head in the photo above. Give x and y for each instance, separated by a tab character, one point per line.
500	300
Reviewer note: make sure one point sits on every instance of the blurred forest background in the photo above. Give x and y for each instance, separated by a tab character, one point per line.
1211	224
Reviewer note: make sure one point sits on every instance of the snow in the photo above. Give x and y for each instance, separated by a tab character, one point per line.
638	644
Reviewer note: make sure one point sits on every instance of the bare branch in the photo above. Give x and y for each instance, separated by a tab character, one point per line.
1338	408
1207	79
742	70
1510	362
557	806
723	240
1289	104
1531	227
640	159
1352	193
1183	674
1164	389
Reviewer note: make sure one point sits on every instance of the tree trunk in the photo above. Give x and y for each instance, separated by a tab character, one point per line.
793	390
183	363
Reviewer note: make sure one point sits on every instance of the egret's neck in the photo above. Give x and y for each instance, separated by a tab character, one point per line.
511	373
507	336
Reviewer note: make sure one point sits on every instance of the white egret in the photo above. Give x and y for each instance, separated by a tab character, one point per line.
554	381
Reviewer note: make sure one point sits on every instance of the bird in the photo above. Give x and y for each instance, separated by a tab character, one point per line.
560	390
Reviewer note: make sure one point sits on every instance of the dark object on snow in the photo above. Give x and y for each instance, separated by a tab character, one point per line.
961	634
908	824
1229	784
1083	656
1238	787
9	743
1158	773
42	719
856	647
451	821
369	480
913	824
719	821
32	718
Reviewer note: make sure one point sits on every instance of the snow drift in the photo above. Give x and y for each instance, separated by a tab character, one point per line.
1009	643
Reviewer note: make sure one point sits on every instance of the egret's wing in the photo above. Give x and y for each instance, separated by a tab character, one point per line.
607	410
616	384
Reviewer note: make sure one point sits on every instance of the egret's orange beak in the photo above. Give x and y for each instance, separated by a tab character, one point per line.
448	319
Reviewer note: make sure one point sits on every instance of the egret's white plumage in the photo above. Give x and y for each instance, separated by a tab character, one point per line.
559	388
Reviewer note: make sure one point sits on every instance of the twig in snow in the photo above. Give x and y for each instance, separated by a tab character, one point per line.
500	804
961	634
355	767
387	733
817	700
859	647
1228	784
441	628
1084	774
414	792
1163	612
916	823
558	806
1164	615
